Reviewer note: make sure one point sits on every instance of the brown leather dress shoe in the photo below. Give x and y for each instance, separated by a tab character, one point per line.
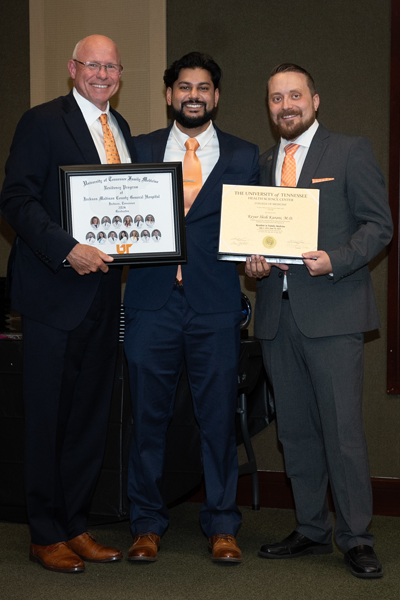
56	557
224	548
87	548
145	547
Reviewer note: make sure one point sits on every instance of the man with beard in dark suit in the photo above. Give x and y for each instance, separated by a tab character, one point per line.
191	314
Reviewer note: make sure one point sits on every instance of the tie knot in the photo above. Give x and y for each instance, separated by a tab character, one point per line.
103	119
192	144
291	149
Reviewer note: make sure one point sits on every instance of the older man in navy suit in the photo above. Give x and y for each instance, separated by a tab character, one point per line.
69	315
191	314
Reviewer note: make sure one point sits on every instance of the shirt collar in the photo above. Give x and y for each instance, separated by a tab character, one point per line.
203	138
304	139
90	112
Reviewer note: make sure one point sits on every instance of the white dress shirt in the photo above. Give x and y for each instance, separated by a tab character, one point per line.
91	115
207	152
304	141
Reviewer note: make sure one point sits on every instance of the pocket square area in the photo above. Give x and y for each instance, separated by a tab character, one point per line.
323	179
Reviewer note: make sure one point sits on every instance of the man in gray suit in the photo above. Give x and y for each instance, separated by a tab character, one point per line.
311	320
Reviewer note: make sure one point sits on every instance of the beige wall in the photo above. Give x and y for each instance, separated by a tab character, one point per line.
139	29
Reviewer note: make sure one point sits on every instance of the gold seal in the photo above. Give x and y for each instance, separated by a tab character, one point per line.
269	242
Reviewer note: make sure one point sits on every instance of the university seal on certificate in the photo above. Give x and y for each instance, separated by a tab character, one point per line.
276	222
269	242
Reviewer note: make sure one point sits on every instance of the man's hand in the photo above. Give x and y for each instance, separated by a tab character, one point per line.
257	266
85	259
317	263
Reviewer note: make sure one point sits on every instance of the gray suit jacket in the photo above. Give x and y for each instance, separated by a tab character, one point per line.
354	226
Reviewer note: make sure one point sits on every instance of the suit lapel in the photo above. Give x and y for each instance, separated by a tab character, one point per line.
317	148
76	124
268	166
225	156
273	164
124	127
159	143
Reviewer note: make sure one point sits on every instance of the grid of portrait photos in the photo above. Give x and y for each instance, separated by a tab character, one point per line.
107	230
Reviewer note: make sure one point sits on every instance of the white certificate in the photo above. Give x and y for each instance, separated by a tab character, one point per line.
276	222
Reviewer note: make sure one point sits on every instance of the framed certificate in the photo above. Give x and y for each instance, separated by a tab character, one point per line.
276	222
133	212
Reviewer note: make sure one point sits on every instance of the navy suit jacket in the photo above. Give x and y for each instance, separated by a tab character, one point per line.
354	226
211	285
48	136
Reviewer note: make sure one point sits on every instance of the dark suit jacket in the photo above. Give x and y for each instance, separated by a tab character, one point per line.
354	226
210	285
48	136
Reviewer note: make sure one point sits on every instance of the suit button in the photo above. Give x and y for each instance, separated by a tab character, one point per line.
280	274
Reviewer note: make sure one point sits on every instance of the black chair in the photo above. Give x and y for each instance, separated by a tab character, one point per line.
250	365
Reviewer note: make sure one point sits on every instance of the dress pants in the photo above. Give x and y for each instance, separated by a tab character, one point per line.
318	385
68	383
156	345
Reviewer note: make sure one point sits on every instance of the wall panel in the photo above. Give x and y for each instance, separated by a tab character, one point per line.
137	27
14	94
346	46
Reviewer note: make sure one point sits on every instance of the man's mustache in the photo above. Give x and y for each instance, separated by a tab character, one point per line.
290	112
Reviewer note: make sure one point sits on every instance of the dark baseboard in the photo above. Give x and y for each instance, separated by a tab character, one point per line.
386	495
276	492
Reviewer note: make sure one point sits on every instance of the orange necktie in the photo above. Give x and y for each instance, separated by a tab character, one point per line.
109	142
288	178
192	177
192	180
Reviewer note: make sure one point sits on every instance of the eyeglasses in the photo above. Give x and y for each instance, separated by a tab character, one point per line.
96	67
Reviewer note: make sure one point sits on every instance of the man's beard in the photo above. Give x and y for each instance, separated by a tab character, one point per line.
192	122
292	132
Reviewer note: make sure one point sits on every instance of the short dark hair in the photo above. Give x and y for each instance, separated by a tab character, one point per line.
193	60
292	68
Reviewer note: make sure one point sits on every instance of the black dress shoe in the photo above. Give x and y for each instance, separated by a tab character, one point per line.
294	545
363	562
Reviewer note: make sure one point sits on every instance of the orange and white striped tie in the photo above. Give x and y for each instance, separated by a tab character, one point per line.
288	178
109	142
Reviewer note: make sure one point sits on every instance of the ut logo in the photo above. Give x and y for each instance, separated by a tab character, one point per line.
123	248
